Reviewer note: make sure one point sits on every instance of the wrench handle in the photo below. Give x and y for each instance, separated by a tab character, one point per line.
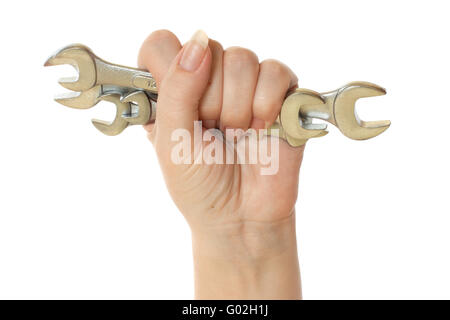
114	74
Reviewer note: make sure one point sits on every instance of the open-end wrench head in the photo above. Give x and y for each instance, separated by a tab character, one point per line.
290	115
118	124
81	58
144	108
346	117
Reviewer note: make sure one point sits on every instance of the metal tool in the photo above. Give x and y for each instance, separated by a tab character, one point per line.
134	93
132	106
336	107
94	71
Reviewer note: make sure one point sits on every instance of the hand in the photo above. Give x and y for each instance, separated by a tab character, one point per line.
242	222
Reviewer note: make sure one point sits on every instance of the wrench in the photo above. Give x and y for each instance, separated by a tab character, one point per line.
93	71
336	107
132	107
134	93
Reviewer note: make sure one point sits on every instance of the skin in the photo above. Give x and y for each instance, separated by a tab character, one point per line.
242	223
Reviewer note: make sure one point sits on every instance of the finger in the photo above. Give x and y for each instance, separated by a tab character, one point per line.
274	81
180	92
240	73
211	103
157	53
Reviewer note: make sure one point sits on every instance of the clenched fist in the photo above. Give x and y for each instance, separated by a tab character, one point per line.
242	222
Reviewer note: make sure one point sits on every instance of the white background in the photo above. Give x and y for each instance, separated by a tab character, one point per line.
83	215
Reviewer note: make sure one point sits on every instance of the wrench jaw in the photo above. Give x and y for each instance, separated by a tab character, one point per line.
80	100
347	119
82	59
144	108
298	130
118	124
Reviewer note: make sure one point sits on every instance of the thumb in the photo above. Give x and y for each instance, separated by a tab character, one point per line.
181	90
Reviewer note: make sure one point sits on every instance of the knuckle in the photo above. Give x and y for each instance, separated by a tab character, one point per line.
155	40
238	57
159	36
215	46
274	68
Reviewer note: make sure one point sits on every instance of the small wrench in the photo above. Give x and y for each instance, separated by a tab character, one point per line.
132	106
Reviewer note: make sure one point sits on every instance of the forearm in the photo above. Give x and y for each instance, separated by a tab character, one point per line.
254	260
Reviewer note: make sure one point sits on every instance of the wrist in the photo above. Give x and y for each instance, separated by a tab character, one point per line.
247	260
